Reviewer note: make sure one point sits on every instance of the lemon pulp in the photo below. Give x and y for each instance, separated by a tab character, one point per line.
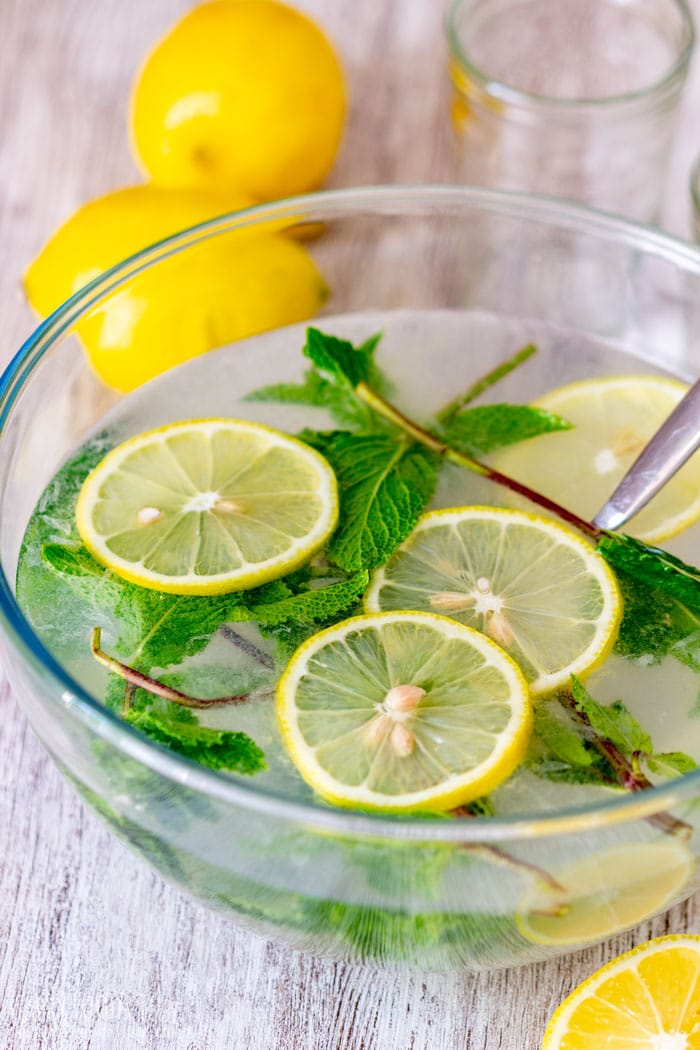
648	997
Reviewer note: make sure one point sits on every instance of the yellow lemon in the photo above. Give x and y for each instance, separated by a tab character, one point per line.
613	417
535	587
646	999
606	892
240	93
227	288
207	506
403	710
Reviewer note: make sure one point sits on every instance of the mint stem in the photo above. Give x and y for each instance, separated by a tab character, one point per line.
140	680
499	856
627	776
452	455
452	407
246	647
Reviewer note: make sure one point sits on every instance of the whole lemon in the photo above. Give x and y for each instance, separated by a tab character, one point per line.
240	93
225	288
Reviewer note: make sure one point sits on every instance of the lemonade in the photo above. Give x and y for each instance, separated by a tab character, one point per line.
245	657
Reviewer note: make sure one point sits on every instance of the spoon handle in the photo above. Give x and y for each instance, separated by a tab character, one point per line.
672	444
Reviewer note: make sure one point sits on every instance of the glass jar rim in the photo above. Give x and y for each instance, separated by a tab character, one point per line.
605	106
379	200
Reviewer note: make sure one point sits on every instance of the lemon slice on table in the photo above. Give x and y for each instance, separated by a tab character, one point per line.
207	506
613	418
646	999
536	588
402	711
605	893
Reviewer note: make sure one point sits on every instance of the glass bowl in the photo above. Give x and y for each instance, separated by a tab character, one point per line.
384	890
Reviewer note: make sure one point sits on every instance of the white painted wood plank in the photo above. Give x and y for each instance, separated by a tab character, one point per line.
95	950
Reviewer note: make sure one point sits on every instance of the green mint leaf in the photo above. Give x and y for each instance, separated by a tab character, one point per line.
328	387
384	485
653	566
214	748
612	722
477	431
687	651
671	763
338	360
482	807
654	623
72	560
555	734
309	606
159	630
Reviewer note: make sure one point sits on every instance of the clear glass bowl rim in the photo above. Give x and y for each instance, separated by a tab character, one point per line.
400	201
603	106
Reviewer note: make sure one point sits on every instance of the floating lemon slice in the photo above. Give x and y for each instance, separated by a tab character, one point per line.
536	588
207	506
613	418
647	998
605	893
402	711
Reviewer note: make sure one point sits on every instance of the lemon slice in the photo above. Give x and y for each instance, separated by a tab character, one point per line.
207	506
647	998
606	892
613	418
402	711
536	588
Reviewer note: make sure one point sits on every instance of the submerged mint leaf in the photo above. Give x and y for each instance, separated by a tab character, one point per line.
671	763
477	431
554	733
653	566
654	623
72	560
613	722
308	606
159	630
687	651
384	486
214	748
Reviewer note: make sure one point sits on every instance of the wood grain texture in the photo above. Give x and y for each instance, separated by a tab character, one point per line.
96	951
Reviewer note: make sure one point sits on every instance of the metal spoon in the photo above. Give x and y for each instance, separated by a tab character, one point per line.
672	444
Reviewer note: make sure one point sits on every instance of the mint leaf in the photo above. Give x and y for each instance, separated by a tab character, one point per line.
554	732
384	485
158	630
671	763
327	385
338	360
654	623
653	566
309	606
214	748
612	722
688	651
72	560
477	431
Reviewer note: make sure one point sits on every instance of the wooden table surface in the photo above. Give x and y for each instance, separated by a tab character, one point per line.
95	950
